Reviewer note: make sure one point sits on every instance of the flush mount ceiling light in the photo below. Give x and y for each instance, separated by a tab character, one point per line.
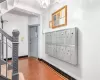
59	1
44	3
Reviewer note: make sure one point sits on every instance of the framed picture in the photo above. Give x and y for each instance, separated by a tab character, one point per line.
59	18
50	24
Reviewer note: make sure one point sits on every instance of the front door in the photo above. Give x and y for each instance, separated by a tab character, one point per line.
33	41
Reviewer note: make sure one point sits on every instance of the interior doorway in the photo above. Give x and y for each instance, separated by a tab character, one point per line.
33	41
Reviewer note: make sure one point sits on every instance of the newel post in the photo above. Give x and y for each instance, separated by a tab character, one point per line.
15	43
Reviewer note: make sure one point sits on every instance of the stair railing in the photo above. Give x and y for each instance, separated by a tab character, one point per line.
15	42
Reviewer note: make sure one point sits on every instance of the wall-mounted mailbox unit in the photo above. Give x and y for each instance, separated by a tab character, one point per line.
63	45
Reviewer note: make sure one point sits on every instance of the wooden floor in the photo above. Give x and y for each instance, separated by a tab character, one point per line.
37	70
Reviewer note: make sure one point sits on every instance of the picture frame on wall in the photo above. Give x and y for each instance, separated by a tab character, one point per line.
59	18
50	24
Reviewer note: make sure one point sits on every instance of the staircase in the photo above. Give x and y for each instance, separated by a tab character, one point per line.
9	70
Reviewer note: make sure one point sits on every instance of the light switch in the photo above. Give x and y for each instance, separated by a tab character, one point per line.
22	39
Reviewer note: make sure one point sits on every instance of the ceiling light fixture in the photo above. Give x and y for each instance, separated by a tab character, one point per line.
58	1
44	3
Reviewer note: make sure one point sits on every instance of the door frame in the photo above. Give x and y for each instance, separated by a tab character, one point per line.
29	38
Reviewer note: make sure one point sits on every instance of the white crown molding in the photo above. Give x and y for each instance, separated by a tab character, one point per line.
29	9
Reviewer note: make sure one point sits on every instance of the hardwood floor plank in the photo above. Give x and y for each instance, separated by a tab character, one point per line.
33	69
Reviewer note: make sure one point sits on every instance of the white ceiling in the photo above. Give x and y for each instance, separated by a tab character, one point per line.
32	3
21	12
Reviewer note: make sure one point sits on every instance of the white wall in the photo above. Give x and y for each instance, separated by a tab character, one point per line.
84	14
74	71
17	21
32	20
91	41
21	23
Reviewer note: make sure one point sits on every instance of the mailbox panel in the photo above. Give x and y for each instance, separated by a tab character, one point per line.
62	45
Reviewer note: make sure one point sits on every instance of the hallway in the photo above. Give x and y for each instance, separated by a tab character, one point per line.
36	70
